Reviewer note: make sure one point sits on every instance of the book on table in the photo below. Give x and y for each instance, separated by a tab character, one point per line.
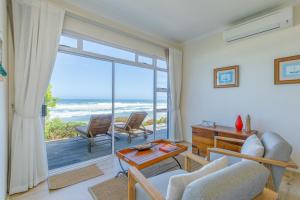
168	148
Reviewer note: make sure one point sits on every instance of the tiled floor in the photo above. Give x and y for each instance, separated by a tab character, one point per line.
76	192
290	188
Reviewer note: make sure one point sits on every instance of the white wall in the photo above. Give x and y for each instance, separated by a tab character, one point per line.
272	107
102	28
103	33
3	126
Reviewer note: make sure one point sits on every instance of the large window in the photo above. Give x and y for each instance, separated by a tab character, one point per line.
95	78
97	48
126	59
80	87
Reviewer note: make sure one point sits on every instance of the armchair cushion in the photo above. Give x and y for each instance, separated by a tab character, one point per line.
178	183
160	182
276	148
231	160
253	147
241	181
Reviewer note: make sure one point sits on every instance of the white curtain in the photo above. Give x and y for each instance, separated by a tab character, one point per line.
175	77
37	27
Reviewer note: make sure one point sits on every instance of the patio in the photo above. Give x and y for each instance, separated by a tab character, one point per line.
74	150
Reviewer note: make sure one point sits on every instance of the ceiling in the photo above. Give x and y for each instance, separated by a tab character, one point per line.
177	20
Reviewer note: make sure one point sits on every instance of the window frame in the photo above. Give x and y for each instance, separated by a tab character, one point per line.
146	56
67	45
79	51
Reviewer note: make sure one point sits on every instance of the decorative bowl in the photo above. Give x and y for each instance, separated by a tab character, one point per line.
143	147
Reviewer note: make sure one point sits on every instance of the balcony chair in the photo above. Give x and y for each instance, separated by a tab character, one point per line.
240	181
134	126
98	126
275	156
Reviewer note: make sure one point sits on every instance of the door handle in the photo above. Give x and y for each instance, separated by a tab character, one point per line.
44	110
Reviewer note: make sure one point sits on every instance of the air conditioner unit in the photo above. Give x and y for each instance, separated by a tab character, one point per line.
276	20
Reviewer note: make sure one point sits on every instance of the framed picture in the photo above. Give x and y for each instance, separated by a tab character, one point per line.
287	70
225	77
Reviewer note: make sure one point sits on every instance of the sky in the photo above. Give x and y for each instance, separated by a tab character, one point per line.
77	77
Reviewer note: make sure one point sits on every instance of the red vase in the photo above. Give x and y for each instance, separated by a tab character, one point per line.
239	123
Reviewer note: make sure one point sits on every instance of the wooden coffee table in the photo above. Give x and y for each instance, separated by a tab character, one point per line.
146	158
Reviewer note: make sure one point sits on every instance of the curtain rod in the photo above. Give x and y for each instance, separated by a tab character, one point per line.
107	27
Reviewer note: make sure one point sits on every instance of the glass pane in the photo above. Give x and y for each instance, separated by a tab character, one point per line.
108	51
162	79
67	41
161	100
81	87
145	60
161	64
133	93
161	125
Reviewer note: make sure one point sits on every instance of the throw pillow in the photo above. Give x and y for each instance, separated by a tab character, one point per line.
178	183
253	147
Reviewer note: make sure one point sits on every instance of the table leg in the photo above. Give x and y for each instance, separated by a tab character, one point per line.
123	171
177	162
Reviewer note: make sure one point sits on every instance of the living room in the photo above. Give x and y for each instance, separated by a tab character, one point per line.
149	99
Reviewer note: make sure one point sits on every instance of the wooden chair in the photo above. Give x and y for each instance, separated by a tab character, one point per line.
98	126
136	177
134	126
276	156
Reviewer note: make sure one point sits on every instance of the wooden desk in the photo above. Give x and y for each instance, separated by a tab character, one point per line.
203	138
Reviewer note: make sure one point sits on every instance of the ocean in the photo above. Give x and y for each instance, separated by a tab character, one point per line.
70	110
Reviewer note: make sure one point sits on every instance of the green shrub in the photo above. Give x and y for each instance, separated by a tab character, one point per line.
57	129
121	119
162	120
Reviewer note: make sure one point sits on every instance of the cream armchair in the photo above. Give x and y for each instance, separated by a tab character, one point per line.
140	188
277	152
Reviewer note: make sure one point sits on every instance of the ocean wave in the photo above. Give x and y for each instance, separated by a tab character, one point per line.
85	109
98	106
88	113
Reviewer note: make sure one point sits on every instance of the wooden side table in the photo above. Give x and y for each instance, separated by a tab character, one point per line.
147	158
203	138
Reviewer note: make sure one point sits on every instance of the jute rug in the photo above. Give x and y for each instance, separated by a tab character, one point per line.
116	188
72	177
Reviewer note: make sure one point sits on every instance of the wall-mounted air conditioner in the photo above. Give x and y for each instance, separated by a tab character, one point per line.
275	20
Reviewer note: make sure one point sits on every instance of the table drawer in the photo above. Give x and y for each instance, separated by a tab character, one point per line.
204	140
204	133
229	146
242	137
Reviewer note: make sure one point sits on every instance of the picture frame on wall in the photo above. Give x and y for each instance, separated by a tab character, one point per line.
226	77
287	70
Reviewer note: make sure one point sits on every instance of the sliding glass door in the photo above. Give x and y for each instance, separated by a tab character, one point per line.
133	105
79	94
103	98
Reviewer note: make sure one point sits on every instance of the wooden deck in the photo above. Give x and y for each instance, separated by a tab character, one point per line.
74	150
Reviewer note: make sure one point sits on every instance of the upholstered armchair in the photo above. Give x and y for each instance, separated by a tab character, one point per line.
276	155
243	180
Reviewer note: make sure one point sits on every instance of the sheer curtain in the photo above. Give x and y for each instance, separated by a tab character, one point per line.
37	26
175	77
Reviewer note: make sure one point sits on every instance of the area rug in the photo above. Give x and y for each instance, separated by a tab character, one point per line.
72	177
116	188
